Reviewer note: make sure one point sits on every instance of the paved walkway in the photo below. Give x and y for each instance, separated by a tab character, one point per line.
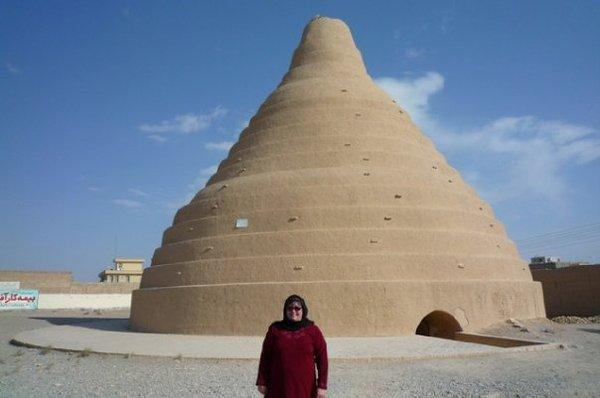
111	336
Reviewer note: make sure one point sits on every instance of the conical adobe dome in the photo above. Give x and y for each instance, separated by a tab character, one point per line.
348	204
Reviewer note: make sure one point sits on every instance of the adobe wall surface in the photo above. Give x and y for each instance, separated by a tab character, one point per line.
341	308
348	204
38	279
99	288
571	290
62	282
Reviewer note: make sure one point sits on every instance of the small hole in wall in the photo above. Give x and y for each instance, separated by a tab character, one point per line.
387	218
366	174
344	90
346	144
292	219
398	196
357	114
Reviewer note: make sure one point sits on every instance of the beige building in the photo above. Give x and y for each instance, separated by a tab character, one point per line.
124	270
333	193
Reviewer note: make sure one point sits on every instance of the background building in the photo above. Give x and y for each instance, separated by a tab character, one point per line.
125	270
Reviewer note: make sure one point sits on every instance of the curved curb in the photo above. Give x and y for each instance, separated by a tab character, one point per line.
113	337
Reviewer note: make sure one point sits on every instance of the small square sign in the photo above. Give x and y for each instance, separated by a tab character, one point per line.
241	223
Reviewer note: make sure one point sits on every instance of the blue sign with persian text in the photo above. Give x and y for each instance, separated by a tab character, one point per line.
19	299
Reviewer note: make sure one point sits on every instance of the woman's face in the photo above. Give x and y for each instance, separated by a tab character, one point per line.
294	311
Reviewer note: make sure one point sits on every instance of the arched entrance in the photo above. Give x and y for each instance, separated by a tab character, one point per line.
438	324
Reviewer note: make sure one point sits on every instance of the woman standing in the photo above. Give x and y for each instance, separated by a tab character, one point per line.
290	351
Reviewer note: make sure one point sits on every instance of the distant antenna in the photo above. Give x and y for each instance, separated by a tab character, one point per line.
115	251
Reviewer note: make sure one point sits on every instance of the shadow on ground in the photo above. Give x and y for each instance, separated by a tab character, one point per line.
110	324
597	331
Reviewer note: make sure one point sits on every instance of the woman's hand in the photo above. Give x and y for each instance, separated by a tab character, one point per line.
262	389
321	393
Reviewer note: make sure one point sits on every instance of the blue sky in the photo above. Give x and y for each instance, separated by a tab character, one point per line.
112	114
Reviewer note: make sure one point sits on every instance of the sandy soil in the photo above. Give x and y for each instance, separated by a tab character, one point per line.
572	371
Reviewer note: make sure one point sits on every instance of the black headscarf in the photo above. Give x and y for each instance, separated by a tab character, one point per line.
288	324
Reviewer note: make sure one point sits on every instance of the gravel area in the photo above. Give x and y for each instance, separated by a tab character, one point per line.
577	319
572	371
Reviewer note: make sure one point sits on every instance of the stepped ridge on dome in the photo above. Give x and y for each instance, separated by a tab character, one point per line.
347	204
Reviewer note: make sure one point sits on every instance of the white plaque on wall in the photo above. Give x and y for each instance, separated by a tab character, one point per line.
241	223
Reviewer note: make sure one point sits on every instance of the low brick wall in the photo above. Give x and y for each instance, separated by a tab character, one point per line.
94	288
38	279
571	290
62	282
59	291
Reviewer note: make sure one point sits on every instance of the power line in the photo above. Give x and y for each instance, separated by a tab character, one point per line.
557	238
572	236
558	233
591	239
562	239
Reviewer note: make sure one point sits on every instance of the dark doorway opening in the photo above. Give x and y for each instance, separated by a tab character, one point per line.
439	324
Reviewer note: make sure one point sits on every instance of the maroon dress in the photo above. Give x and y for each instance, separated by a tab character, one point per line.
287	362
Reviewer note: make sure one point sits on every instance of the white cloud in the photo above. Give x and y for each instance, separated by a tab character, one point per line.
188	123
193	188
179	203
220	146
537	151
12	68
507	158
94	189
137	192
209	170
413	53
203	177
175	203
131	204
413	94
157	138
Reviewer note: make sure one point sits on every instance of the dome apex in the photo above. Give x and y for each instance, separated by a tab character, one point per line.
326	40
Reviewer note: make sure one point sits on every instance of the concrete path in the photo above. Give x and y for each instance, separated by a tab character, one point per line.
112	337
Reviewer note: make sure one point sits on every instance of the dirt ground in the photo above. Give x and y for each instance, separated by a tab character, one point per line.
571	371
